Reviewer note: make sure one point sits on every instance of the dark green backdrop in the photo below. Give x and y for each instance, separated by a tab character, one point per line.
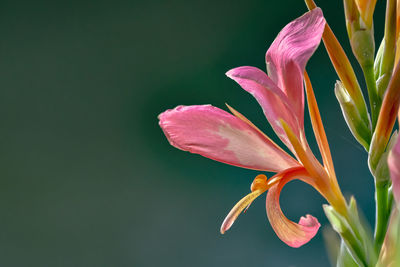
87	177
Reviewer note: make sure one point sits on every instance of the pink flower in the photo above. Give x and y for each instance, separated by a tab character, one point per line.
233	139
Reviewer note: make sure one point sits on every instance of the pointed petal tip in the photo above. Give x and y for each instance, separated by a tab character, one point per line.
240	71
229	73
317	11
162	117
272	99
232	72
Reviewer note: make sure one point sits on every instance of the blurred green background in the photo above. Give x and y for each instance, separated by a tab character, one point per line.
87	177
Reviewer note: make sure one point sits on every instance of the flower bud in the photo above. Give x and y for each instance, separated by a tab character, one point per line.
341	226
363	46
382	170
360	34
366	9
359	127
344	259
385	57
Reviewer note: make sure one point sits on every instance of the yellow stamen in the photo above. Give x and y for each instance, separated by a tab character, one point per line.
238	208
258	187
259	183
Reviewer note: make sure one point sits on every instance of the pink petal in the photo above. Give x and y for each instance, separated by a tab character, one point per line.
394	168
218	135
293	234
272	100
287	57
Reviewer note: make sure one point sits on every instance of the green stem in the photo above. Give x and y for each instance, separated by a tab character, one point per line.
374	99
355	249
381	195
390	201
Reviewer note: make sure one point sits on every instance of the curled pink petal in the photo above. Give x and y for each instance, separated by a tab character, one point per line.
289	53
272	100
394	168
218	135
293	234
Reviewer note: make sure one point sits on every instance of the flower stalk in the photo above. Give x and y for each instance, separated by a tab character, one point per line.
382	214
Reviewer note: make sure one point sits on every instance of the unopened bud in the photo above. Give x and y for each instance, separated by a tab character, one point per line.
337	221
382	170
363	45
359	127
360	33
342	227
366	9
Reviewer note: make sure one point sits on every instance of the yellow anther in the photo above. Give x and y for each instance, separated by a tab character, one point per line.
259	183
